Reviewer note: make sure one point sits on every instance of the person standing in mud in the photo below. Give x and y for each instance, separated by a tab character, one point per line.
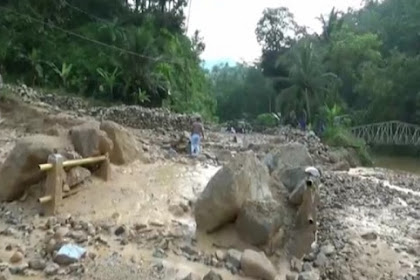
303	120
197	133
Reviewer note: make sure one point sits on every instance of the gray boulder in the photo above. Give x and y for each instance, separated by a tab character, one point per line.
243	178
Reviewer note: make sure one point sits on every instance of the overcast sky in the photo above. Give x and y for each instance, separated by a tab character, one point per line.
228	26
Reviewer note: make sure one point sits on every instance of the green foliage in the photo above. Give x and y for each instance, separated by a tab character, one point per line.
267	120
143	56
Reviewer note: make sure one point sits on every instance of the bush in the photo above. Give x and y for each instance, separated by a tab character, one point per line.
341	137
267	120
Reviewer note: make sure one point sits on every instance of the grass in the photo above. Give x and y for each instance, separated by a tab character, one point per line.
341	137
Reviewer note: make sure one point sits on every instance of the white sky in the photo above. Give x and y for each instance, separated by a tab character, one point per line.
228	26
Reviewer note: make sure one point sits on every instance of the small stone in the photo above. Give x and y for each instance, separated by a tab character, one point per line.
296	265
328	249
189	250
156	224
308	275
370	236
159	253
9	247
37	264
120	230
290	276
78	236
61	232
257	265
5	275
192	276
16	257
233	257
18	269
307	267
212	276
51	269
414	251
220	255
320	260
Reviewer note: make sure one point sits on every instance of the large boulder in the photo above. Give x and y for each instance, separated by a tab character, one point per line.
243	178
125	145
290	155
20	170
88	140
257	265
258	220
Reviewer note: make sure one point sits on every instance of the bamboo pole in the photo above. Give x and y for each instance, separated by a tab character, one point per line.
74	162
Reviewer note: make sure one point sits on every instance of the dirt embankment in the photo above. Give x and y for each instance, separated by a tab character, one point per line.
140	224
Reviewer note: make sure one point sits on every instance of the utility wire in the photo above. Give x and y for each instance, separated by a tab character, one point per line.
86	13
85	38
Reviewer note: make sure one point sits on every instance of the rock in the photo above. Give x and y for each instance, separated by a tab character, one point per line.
290	155
371	236
51	269
77	175
233	257
257	265
220	255
120	230
321	260
328	249
18	269
88	140
5	275
17	257
61	232
307	275
37	264
291	177
20	170
244	178
126	148
257	220
296	265
414	251
290	276
192	276
212	276
307	266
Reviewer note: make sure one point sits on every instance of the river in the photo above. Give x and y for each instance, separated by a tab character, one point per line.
402	163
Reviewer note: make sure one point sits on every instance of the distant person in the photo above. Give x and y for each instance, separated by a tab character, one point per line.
292	118
303	120
197	132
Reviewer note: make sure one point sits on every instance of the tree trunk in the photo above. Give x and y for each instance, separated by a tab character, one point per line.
308	106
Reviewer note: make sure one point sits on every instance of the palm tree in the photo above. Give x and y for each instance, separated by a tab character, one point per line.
307	78
333	23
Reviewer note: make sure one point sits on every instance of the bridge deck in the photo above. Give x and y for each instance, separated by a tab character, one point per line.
388	133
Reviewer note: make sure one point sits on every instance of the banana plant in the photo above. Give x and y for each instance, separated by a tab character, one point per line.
142	97
109	78
64	72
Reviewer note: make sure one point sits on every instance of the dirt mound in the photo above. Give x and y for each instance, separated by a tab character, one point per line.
20	170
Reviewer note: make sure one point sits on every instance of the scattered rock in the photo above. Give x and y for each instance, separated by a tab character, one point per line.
18	269
120	230
257	265
5	275
233	257
125	145
76	176
192	276
307	275
212	276
17	257
37	264
321	260
370	236
257	220
243	178
61	232
220	255
51	269
328	249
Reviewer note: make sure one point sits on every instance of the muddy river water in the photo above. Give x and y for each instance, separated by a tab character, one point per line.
398	163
